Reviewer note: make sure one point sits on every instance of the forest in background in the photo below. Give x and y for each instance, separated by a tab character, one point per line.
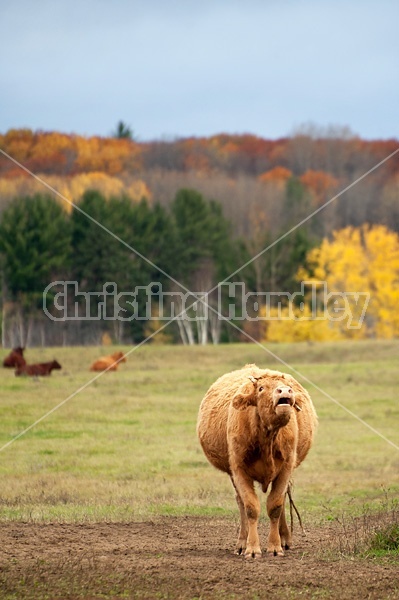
199	209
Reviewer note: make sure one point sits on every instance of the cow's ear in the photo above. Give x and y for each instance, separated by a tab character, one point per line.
245	396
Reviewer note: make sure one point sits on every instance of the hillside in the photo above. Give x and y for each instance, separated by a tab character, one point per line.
244	173
187	214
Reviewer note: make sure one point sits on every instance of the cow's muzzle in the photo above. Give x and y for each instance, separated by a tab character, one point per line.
283	396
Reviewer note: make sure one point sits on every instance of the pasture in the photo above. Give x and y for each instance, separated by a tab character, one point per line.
117	472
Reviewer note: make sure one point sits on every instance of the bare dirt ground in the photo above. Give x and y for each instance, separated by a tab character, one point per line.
183	558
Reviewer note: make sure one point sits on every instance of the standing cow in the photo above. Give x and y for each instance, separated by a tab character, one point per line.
257	425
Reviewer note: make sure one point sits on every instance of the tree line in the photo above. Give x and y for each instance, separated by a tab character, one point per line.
157	197
247	174
188	246
161	260
333	150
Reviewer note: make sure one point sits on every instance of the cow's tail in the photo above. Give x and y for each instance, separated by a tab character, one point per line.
292	506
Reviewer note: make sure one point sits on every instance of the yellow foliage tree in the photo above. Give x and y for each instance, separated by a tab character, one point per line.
58	154
73	187
17	143
282	327
113	156
362	260
138	190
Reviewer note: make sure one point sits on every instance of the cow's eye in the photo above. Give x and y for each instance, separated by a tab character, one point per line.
261	389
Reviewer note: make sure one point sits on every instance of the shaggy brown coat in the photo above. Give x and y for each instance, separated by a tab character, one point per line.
257	425
108	363
15	358
39	369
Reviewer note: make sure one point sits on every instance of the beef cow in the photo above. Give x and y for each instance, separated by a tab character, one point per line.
15	358
108	363
39	369
257	425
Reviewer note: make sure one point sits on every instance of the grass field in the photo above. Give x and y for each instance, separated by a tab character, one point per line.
124	448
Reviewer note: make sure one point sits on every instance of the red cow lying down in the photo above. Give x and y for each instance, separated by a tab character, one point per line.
41	369
257	425
15	358
108	363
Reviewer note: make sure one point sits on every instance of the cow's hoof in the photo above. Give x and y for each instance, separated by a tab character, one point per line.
253	554
275	552
240	547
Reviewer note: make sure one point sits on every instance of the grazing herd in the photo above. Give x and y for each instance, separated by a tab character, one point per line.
256	425
16	360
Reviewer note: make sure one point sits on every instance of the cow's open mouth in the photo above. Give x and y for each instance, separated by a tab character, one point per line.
284	401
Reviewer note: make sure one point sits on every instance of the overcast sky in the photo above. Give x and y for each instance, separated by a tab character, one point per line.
178	68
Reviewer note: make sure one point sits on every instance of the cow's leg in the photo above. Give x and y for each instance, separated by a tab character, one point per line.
246	491
275	509
284	531
243	533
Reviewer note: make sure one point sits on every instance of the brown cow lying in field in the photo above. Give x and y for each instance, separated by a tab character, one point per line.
41	369
108	363
257	425
15	358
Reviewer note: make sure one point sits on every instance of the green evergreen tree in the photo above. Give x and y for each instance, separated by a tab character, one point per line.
205	255
153	234
123	131
34	245
98	255
203	236
144	252
34	252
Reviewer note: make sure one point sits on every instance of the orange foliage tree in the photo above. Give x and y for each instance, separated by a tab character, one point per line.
320	184
61	154
279	175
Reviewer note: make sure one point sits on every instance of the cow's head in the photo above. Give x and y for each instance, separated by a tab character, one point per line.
273	397
18	350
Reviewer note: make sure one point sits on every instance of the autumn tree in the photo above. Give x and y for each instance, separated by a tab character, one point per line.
320	184
363	259
278	176
71	188
359	269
